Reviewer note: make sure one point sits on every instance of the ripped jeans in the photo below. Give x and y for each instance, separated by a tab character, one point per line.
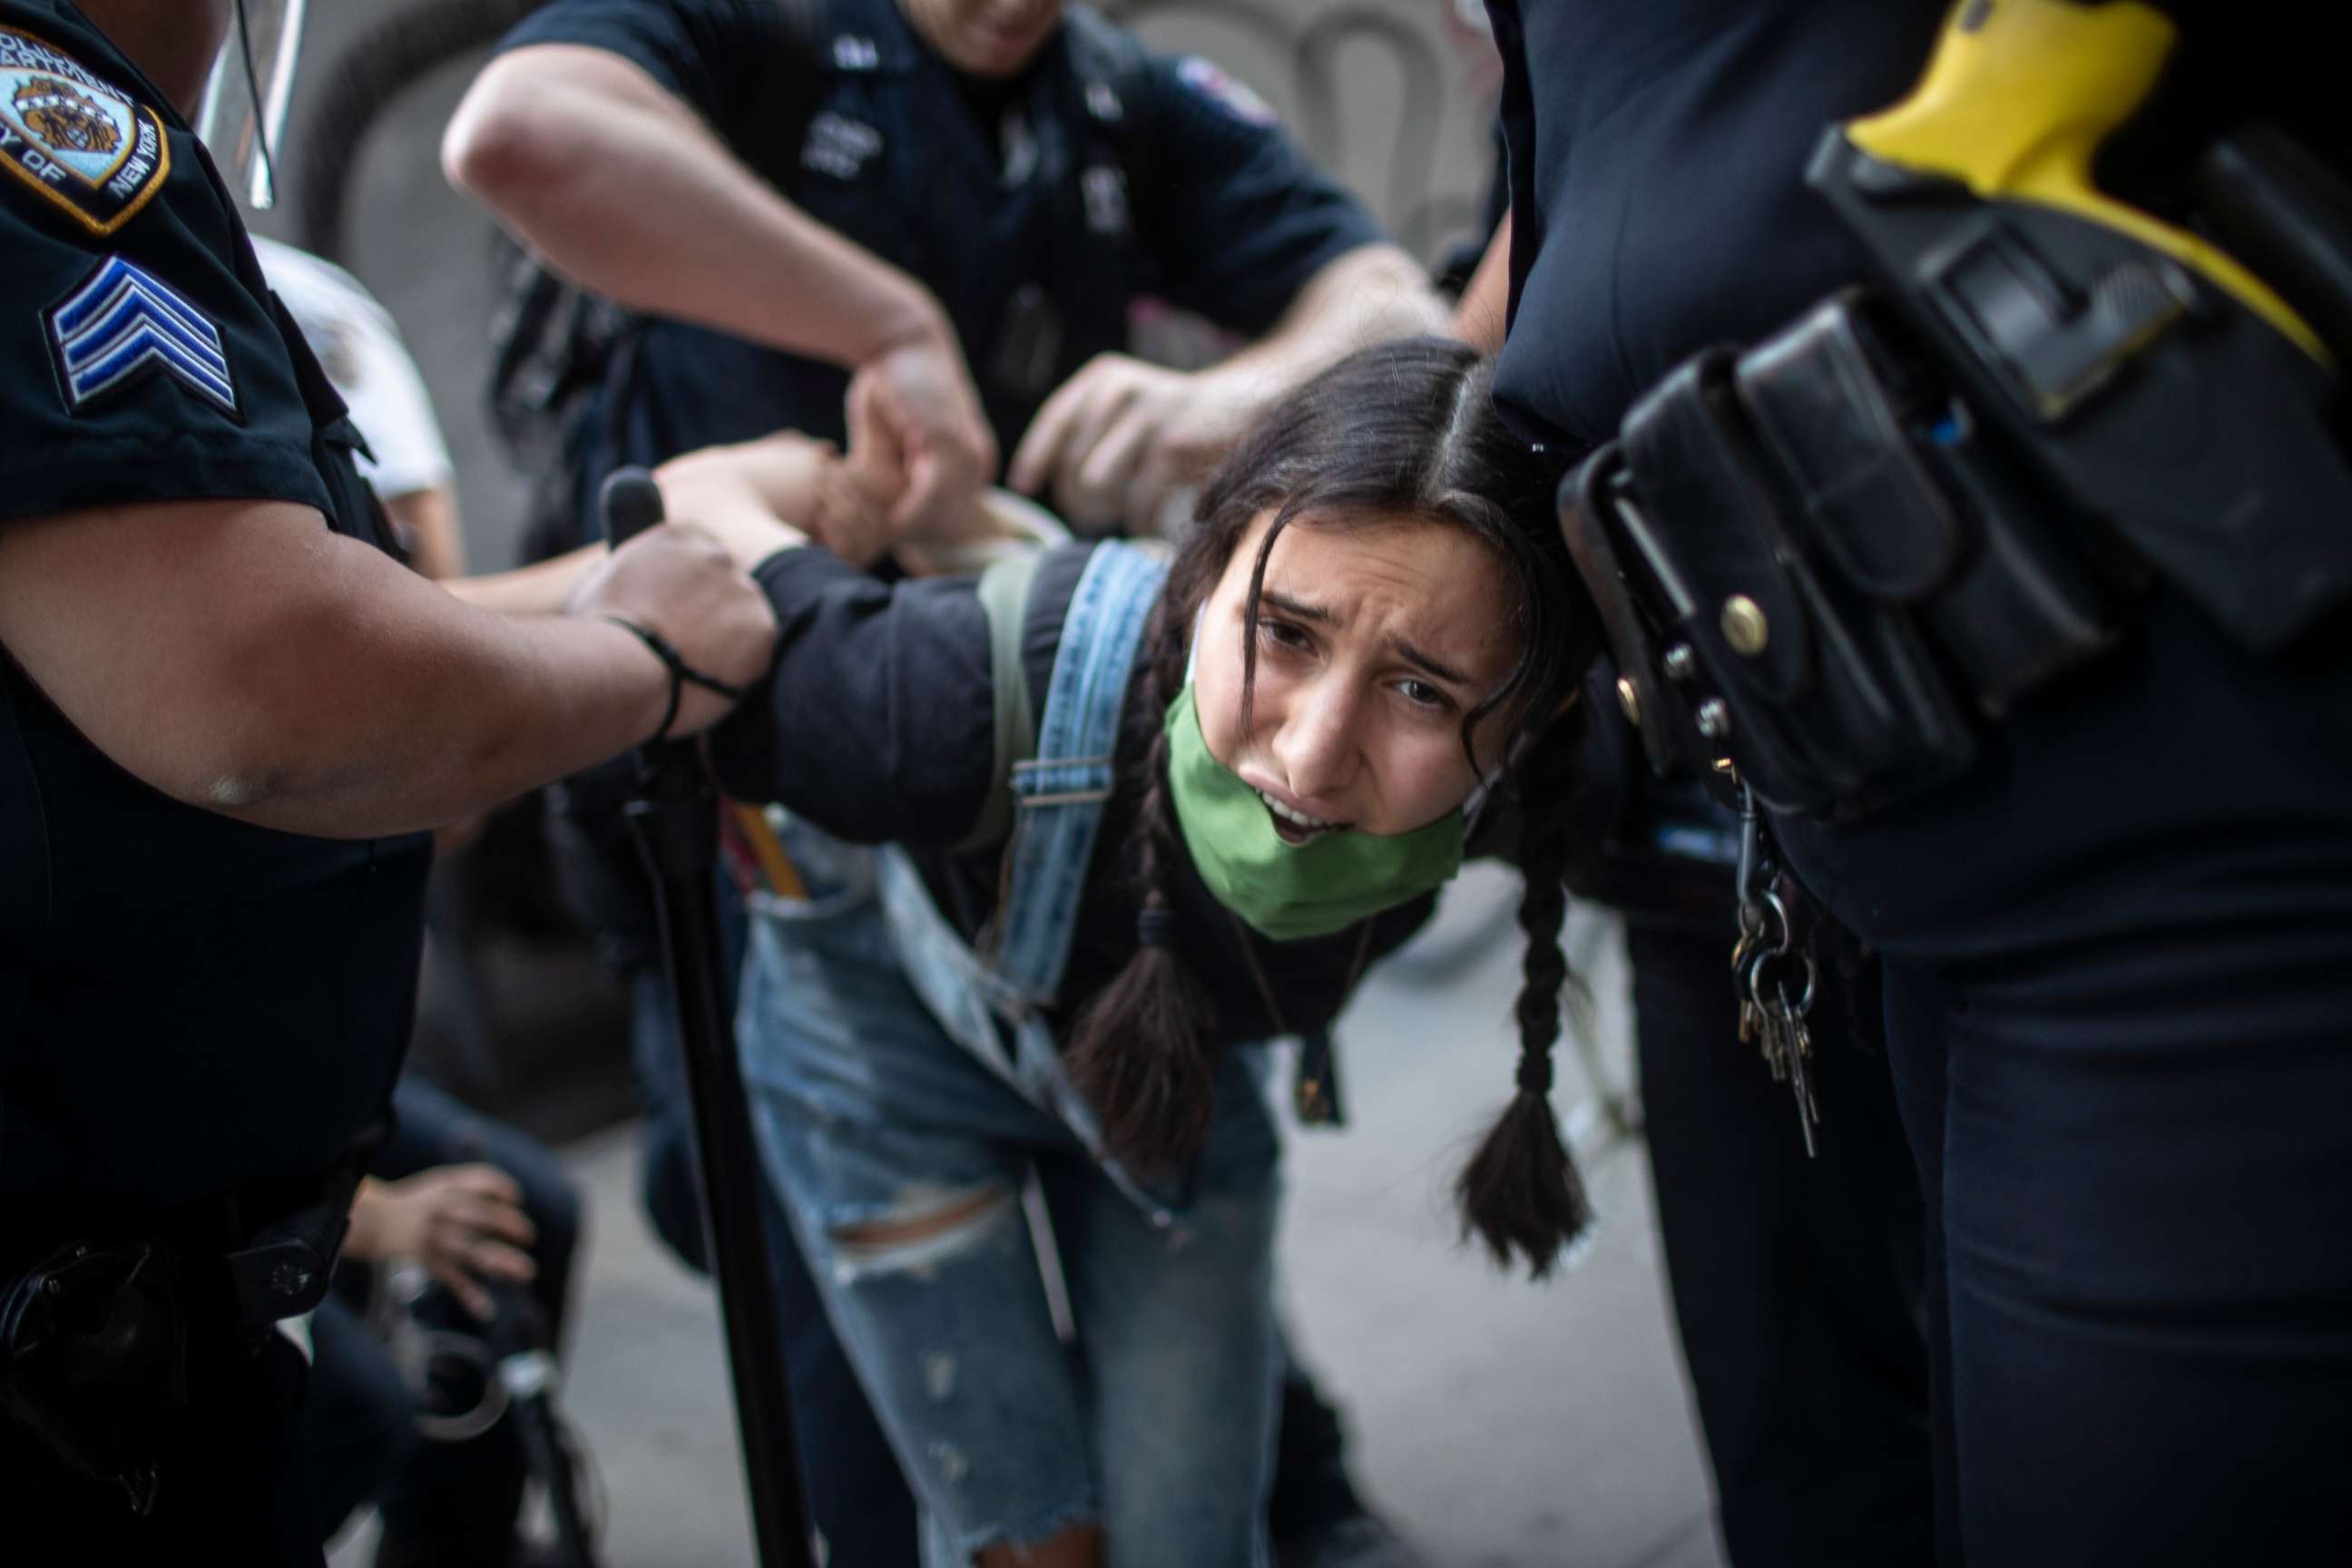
902	1155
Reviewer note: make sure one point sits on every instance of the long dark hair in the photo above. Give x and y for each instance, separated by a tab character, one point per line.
1404	428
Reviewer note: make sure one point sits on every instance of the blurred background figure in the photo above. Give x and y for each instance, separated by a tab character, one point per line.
405	457
460	1222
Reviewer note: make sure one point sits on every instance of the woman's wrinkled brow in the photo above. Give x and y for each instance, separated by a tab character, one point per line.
1305	610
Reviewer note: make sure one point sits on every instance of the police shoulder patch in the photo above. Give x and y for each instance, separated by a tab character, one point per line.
1211	82
82	144
121	324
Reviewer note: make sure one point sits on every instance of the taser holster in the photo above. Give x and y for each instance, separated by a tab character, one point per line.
1825	560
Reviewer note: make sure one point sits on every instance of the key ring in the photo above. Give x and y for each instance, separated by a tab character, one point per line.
1772	963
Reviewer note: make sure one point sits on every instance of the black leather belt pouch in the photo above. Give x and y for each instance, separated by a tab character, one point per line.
94	1336
93	1355
1822	690
1896	492
2145	398
1824	570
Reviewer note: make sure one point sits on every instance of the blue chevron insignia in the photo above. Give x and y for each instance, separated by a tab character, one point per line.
124	322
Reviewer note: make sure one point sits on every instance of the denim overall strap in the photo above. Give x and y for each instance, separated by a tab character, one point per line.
1059	795
976	1009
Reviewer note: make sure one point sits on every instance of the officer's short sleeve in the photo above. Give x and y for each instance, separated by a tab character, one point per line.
140	358
716	56
1234	217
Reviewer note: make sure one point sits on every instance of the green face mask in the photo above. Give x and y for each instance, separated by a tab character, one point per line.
1291	891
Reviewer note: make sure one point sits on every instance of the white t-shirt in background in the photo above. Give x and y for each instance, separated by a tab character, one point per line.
355	339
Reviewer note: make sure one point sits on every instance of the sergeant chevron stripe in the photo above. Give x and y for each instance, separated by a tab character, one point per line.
122	323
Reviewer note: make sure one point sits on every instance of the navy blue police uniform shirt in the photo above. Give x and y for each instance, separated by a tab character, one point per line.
189	1006
1037	209
1656	157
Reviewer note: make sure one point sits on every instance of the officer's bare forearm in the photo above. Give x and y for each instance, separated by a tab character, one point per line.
240	658
494	706
1369	295
755	497
621	188
1478	316
539	589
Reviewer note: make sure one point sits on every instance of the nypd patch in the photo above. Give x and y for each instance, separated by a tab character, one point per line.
1214	84
82	144
123	324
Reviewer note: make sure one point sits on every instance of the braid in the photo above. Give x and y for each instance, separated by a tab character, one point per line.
1521	1192
1140	1053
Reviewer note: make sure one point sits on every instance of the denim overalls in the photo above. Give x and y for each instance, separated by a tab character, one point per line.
905	1089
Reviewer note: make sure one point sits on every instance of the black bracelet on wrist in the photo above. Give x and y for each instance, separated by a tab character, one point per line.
680	673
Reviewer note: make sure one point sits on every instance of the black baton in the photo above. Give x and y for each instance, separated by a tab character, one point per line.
672	816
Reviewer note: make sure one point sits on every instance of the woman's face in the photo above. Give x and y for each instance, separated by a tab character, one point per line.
1373	642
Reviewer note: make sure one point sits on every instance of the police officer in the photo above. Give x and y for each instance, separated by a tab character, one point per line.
2116	940
1793	1270
227	712
954	202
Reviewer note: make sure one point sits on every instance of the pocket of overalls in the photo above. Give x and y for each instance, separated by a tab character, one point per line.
824	1003
1902	497
807	874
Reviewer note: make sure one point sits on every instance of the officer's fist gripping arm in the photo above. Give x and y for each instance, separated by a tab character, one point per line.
240	656
1112	441
620	184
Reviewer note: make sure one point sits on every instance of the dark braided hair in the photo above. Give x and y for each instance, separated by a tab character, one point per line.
1404	428
1142	1053
1521	1191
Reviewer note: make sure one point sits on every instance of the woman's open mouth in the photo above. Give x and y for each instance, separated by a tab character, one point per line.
1295	826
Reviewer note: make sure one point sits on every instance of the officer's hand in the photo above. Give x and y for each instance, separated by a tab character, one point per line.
681	581
916	421
1115	438
852	513
465	1224
754	496
770	493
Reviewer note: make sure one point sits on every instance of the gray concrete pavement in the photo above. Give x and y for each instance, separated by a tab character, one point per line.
1505	1425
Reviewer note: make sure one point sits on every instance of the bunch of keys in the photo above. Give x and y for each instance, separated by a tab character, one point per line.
1771	1019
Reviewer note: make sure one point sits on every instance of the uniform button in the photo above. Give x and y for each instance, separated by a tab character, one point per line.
1744	625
